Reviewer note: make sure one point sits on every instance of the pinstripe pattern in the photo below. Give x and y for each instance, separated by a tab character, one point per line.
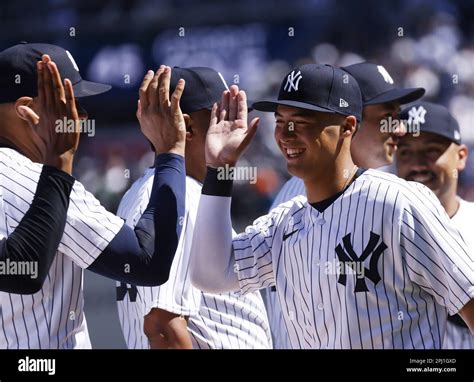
53	318
457	337
293	187
216	321
424	272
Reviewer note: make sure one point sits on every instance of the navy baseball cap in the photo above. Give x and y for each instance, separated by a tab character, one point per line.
377	86
204	87
19	74
321	88
432	118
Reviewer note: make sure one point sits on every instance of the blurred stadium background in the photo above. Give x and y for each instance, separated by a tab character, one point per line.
428	43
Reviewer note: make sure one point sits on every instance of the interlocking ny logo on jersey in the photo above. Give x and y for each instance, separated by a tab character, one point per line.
292	81
348	257
122	290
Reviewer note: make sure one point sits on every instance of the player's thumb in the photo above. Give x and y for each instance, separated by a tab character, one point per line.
252	129
28	115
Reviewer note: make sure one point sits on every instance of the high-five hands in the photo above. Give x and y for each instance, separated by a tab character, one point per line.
229	133
55	103
161	119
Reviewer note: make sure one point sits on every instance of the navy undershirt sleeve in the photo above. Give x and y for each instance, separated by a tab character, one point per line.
143	256
34	242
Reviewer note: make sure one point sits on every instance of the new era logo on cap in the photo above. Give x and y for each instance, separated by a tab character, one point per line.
343	103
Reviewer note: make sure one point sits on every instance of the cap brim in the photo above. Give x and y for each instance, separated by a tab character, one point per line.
401	95
441	134
272	106
87	88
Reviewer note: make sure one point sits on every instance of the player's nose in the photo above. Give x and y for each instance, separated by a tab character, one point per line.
419	162
288	132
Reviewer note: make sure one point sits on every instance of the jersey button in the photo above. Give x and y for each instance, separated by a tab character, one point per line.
321	221
320	306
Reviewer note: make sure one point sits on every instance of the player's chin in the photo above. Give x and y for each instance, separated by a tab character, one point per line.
299	169
294	169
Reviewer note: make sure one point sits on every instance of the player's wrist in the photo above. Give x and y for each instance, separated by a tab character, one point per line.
61	162
217	182
178	150
217	162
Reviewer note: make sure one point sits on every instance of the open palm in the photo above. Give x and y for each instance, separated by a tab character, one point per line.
229	133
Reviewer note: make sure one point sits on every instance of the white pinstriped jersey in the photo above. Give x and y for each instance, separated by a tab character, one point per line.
293	187
216	321
381	267
52	318
457	337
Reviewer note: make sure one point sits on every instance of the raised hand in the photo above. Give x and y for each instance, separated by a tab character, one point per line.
55	104
229	134
161	119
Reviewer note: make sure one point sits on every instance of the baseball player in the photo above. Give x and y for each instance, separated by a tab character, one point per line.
434	157
93	238
366	260
372	147
27	254
176	315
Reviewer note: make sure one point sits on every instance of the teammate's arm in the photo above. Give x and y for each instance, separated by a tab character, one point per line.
212	259
166	330
143	255
35	240
37	236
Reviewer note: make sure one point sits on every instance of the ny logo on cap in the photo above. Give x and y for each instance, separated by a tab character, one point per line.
416	115
223	81
72	60
292	81
386	76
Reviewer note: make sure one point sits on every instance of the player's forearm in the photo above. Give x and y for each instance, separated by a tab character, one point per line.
212	260
143	256
36	238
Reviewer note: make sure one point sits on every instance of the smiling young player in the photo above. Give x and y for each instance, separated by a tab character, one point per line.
364	261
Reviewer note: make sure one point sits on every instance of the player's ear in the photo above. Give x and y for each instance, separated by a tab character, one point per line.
23	101
189	126
349	125
463	153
